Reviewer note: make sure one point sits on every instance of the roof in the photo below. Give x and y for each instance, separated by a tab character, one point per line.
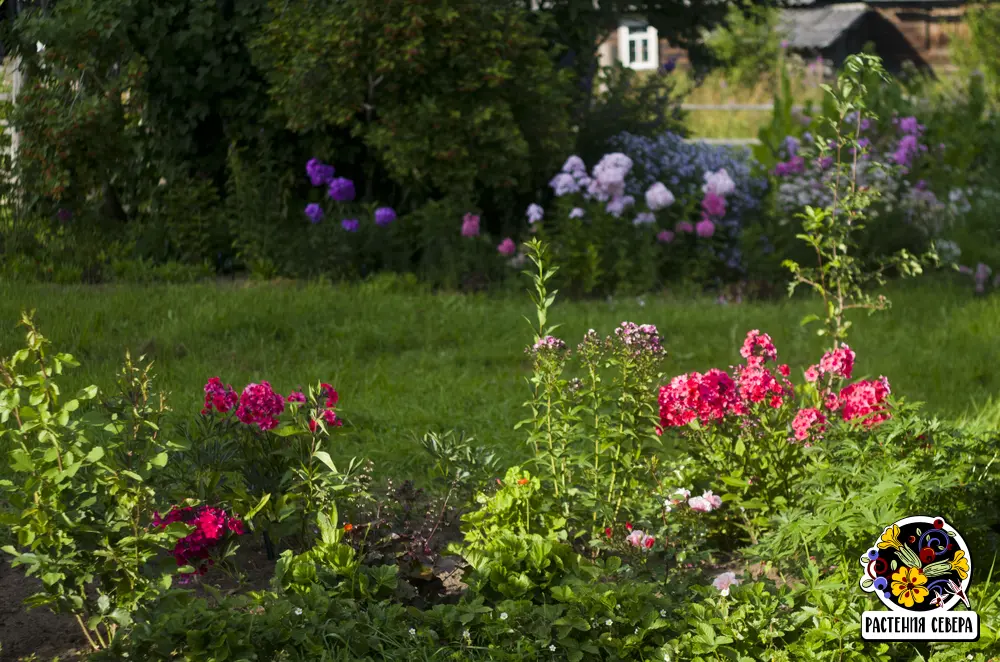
919	3
818	27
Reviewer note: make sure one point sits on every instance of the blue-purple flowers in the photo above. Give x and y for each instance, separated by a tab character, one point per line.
319	173
314	212
341	189
350	224
384	216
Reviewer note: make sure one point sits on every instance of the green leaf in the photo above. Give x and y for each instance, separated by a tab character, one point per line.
95	454
160	460
131	474
103	603
256	509
325	458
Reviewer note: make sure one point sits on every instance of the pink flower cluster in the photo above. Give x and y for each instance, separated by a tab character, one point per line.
716	394
470	225
864	401
808	421
260	406
328	415
640	338
717	186
705	503
210	527
219	397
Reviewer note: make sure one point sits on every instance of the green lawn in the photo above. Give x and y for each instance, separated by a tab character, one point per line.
406	363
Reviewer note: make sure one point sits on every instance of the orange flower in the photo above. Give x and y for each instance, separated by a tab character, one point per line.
523	481
348	527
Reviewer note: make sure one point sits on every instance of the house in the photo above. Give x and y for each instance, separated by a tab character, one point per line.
916	31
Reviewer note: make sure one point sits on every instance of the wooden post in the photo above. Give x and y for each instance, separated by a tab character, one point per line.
17	80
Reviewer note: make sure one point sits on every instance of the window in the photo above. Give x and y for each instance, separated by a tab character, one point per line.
638	46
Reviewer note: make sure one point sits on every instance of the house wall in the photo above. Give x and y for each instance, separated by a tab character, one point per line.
930	31
608	52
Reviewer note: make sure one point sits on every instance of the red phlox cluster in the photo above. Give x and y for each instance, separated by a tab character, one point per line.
219	397
328	415
837	363
260	406
807	422
758	384
210	527
296	396
865	400
706	397
759	344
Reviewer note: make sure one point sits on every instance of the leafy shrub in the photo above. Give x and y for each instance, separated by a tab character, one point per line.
630	102
748	43
447	98
80	499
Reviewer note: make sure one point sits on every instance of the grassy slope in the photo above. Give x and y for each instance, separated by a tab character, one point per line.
407	363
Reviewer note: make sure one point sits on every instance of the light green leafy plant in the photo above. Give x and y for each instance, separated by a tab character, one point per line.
839	277
81	500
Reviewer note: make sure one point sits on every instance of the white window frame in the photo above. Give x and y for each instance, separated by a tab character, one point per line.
638	32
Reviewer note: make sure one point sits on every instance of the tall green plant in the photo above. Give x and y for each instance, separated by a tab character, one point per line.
81	501
842	281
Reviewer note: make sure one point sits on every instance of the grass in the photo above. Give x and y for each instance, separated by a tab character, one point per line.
716	90
409	362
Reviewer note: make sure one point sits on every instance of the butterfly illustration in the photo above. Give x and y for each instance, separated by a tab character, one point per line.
955	589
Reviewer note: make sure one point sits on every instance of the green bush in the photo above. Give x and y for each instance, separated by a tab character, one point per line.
450	98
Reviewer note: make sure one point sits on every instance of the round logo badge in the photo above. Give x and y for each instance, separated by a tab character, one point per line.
918	564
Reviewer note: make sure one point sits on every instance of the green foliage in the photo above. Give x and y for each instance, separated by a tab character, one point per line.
839	278
641	103
592	436
451	97
81	497
977	54
748	43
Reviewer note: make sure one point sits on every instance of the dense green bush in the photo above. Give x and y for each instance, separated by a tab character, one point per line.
448	98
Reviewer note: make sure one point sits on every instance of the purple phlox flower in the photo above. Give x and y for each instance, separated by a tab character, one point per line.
659	197
684	227
314	212
548	343
792	145
341	189
384	216
616	207
640	337
574	165
350	224
534	213
470	225
705	227
576	212
608	177
714	205
644	218
319	173
665	237
910	126
719	183
563	184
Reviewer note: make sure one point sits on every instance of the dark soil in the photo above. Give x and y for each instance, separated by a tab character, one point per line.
38	631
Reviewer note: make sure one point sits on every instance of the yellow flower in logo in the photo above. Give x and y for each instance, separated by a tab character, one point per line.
890	538
908	586
960	564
